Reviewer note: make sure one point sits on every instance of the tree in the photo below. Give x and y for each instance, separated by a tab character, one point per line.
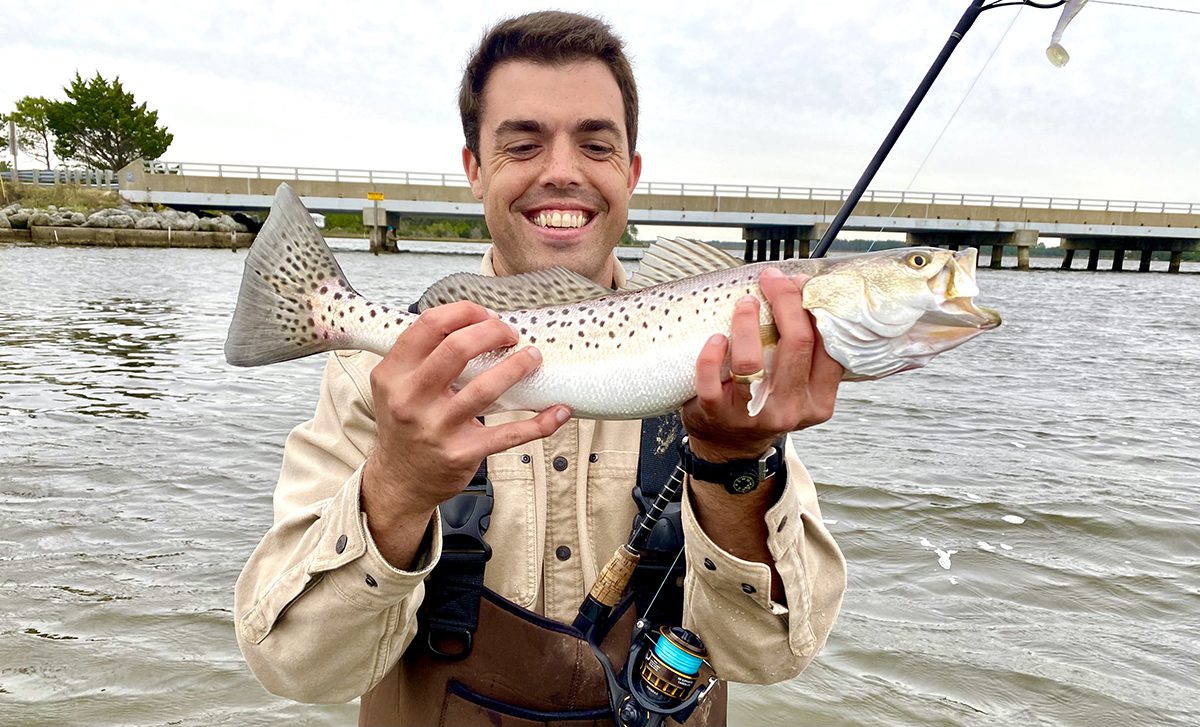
629	237
33	128
101	126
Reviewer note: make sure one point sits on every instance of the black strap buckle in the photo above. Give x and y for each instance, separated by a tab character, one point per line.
452	590
465	519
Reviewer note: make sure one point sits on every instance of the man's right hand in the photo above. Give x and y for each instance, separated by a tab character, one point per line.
429	441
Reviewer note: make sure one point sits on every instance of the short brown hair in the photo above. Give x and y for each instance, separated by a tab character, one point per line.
550	37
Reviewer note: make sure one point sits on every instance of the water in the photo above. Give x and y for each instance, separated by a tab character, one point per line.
1053	462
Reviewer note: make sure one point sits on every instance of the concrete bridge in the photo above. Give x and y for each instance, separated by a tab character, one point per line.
776	221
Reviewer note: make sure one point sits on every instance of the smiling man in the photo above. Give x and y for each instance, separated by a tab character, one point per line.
553	166
363	585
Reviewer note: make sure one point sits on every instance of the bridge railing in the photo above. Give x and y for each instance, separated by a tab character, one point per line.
685	189
100	178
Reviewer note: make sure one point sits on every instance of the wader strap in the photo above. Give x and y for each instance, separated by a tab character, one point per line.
452	589
657	459
451	606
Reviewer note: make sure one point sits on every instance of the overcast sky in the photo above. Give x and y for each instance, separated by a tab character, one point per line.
782	93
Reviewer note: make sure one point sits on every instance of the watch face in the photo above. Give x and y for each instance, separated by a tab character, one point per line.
743	484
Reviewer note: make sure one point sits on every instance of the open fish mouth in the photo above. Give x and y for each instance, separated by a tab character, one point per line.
954	288
934	316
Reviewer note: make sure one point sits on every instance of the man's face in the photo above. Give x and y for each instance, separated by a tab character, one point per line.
555	173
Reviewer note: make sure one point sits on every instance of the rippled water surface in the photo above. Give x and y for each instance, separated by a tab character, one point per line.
1020	518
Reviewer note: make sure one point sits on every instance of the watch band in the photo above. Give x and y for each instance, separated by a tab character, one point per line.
739	476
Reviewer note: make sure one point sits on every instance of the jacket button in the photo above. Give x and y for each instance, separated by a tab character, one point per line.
593	458
709	564
340	547
562	552
560	463
371	582
526	459
747	588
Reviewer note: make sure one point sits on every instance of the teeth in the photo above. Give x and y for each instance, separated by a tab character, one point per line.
560	219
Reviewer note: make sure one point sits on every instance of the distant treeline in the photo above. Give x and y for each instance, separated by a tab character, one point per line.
424	228
1038	250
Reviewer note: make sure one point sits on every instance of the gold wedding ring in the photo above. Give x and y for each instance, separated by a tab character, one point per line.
748	379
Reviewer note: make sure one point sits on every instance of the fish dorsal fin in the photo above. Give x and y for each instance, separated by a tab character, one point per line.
553	286
668	260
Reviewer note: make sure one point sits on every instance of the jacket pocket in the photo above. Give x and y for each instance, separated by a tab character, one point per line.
513	570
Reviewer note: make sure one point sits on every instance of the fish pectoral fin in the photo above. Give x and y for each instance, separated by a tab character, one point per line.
760	391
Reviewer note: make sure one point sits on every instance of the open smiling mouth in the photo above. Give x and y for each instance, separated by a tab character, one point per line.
560	219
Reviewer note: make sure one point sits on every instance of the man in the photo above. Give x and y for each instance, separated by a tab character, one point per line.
327	606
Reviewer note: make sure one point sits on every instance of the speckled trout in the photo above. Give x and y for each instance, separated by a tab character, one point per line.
626	354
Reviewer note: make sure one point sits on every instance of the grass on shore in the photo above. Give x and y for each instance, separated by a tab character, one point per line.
62	196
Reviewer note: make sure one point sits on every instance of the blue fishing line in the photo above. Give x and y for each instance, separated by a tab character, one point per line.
677	658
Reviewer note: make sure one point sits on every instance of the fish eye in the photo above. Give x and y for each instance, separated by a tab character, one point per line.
918	261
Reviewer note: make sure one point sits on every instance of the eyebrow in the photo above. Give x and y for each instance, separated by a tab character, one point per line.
530	126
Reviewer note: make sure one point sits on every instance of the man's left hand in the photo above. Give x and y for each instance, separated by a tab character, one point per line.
803	381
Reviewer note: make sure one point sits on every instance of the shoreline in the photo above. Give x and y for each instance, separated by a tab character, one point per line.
43	236
46	236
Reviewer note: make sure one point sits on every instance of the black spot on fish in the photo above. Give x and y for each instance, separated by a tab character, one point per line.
581	334
324	289
612	334
550	339
372	312
337	296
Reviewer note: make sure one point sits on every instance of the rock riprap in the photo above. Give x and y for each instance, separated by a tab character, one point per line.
18	217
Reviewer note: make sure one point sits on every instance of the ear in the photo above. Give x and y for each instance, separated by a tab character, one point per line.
471	167
635	172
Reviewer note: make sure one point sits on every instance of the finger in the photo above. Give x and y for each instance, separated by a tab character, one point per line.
745	347
435	324
483	391
513	434
826	374
447	361
709	388
793	357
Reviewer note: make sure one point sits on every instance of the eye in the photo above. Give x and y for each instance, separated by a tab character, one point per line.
918	261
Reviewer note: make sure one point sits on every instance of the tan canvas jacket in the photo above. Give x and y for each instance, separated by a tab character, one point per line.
322	617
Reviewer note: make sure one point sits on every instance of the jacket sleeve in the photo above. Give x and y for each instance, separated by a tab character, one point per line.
320	615
749	637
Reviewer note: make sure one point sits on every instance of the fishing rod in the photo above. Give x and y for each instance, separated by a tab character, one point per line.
662	676
964	24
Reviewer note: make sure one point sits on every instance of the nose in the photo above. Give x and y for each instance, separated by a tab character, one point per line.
561	165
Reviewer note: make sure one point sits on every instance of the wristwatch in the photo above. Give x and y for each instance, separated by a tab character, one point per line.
739	476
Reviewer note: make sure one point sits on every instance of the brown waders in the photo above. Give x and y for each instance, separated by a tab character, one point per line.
524	670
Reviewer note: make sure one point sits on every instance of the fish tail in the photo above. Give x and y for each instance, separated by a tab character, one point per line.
287	268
